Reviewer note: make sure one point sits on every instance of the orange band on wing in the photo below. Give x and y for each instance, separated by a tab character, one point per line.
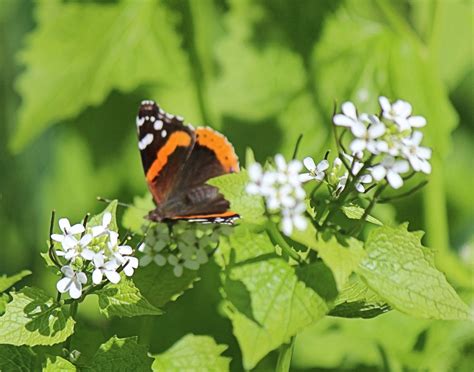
179	138
222	148
211	215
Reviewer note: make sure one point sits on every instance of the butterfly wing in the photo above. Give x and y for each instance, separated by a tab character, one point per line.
212	155
165	144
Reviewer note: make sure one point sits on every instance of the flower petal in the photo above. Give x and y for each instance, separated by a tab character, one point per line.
145	260
125	250
76	229
385	103
112	276
376	130
64	225
97	276
394	179
322	165
178	270
358	145
378	172
287	226
300	222
342	120
349	110
425	167
87	254
255	172
358	129
401	166
106	219
424	152
75	290
63	285
417	121
160	260
309	163
67	271
81	277
57	237
305	177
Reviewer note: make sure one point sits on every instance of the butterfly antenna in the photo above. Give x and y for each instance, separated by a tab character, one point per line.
108	201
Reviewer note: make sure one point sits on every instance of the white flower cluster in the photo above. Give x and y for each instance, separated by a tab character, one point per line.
185	247
92	249
281	187
392	138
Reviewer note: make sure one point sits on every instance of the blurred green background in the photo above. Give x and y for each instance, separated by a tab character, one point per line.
72	75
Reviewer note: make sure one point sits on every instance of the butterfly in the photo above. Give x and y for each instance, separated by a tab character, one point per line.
178	160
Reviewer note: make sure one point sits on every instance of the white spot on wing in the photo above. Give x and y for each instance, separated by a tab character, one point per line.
140	121
163	133
145	141
158	125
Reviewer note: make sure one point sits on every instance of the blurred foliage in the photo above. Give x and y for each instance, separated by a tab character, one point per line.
73	72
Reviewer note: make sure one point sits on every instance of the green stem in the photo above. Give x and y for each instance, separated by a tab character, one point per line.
284	356
276	236
73	312
146	330
369	208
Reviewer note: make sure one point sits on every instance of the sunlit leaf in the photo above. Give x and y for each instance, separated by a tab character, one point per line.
192	353
33	318
125	44
403	273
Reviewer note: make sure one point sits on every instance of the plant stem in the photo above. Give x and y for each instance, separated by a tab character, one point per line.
276	236
369	208
146	330
284	356
73	312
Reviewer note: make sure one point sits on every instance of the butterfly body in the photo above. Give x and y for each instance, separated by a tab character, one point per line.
178	160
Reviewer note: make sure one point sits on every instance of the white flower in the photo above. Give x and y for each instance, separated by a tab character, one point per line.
72	282
400	113
293	217
118	251
261	182
288	172
79	249
367	136
316	172
67	238
390	169
130	266
177	263
417	155
104	227
356	167
109	269
151	254
348	118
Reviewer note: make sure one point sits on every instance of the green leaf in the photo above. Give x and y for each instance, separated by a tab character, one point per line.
134	217
403	273
281	304
356	300
159	285
56	363
7	281
124	299
121	354
232	186
342	258
354	212
33	318
193	353
14	358
4	298
260	79
97	219
91	55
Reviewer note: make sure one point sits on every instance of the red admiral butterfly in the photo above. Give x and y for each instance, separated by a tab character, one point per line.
178	160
